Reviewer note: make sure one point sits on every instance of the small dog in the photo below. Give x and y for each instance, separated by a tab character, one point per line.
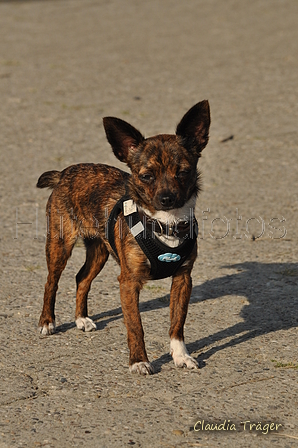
143	219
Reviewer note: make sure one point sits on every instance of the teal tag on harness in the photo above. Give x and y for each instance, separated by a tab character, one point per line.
168	257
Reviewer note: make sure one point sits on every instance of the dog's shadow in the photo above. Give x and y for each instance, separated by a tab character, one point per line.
272	306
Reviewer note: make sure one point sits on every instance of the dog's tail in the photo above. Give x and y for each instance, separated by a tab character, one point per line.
49	179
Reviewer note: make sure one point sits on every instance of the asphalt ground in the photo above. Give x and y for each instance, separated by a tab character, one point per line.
63	66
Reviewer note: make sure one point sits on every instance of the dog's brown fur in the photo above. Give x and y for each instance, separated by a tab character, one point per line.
164	177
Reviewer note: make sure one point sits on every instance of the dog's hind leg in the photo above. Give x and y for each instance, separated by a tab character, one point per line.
96	257
58	250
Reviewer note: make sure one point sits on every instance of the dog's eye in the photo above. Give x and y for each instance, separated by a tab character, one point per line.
182	175
147	177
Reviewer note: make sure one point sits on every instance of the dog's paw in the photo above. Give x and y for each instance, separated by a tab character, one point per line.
142	368
85	324
185	361
47	329
181	356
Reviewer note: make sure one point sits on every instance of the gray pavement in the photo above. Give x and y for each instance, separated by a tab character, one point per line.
63	66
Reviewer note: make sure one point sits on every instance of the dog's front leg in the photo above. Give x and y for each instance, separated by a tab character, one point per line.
179	300
129	293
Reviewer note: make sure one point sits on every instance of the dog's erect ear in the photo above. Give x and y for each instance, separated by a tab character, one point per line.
121	136
194	127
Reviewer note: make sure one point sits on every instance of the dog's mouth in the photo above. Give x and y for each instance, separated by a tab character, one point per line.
176	214
166	208
168	205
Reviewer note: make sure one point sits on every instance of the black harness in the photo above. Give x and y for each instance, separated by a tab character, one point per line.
164	260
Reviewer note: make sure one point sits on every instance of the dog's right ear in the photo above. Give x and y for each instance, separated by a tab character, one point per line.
121	136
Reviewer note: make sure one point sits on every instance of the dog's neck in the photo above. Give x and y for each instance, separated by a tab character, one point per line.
171	217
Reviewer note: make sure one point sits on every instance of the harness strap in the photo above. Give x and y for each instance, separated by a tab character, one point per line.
110	226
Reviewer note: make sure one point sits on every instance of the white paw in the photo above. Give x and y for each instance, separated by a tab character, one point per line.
85	324
185	361
181	356
143	368
47	329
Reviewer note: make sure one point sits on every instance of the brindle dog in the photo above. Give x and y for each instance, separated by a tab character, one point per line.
163	186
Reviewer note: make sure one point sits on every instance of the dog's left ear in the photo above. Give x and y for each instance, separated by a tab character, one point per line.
194	127
121	136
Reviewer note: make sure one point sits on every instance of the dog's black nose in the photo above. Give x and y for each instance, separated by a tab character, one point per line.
167	200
